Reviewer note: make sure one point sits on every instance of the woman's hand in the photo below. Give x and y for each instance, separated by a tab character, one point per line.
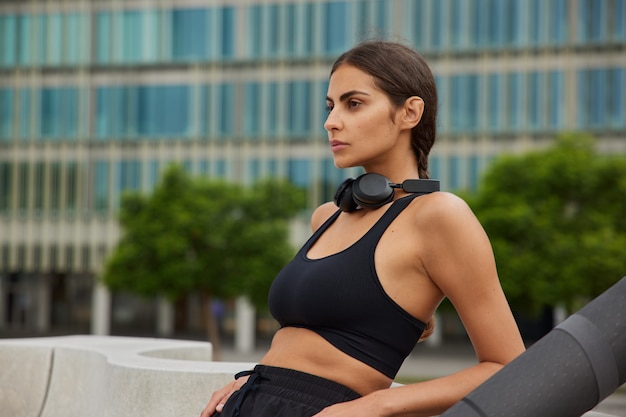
219	397
364	406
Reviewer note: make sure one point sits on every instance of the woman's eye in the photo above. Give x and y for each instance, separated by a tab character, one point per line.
329	108
354	104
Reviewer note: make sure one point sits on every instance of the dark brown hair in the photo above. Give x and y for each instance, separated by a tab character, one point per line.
400	72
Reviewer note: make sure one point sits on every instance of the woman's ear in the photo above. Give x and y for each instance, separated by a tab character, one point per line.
413	110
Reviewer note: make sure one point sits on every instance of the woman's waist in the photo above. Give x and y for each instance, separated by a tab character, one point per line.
305	351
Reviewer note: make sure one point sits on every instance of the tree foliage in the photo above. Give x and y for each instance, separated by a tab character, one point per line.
196	235
556	220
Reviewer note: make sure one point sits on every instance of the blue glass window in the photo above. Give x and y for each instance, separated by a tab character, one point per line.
129	42
474	173
616	111
228	32
8	34
205	110
6	180
274	30
271	101
436	25
252	109
308	30
255	30
555	109
6	114
163	111
535	100
338	26
591	20
535	21
253	170
496	22
434	167
479	20
54	39
112	108
299	108
495	116
291	29
473	102
458	18
203	168
75	40
103	37
151	111
226	118
38	203
454	172
189	34
71	181
458	108
25	114
513	26
58	113
101	186
154	173
320	100
23	186
300	172
221	168
382	15
26	54
514	102
558	26
55	187
619	20
128	178
597	109
465	100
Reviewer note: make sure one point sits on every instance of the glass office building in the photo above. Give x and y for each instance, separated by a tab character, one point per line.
98	96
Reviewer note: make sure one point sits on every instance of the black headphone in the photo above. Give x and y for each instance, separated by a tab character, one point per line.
374	190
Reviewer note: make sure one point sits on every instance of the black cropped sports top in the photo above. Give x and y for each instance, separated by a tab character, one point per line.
340	298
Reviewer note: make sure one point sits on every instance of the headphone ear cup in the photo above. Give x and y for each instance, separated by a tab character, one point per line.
372	190
343	196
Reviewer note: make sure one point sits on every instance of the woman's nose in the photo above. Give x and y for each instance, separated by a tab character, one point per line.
332	121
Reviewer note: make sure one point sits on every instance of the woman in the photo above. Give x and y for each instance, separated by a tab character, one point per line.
364	288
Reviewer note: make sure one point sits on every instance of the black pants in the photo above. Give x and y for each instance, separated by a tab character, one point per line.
279	392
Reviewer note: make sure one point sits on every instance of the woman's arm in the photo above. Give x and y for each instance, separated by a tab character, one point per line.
460	262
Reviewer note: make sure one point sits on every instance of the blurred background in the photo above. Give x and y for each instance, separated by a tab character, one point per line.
98	98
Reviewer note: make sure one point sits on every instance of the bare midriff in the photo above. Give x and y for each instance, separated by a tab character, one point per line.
305	351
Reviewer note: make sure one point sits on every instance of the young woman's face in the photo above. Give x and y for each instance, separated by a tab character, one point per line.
361	124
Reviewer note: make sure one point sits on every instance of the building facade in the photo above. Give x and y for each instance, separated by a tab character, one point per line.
98	96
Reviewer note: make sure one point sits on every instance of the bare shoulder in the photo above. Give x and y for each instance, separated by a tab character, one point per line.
452	233
321	214
441	209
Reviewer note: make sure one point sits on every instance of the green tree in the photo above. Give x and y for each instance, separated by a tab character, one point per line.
196	235
556	219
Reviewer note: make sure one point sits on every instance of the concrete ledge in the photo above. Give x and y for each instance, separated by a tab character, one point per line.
108	376
112	377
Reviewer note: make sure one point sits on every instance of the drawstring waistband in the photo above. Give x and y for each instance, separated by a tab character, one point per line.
251	384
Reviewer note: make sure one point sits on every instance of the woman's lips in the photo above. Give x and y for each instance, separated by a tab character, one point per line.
336	145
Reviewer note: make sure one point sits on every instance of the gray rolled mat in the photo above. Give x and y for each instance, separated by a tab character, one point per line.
564	374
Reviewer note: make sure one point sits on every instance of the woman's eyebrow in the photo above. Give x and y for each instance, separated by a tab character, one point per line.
347	95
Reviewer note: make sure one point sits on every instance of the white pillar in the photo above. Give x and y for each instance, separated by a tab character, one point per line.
244	328
101	310
165	317
436	339
559	314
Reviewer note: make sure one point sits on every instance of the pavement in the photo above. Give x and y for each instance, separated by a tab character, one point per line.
430	362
